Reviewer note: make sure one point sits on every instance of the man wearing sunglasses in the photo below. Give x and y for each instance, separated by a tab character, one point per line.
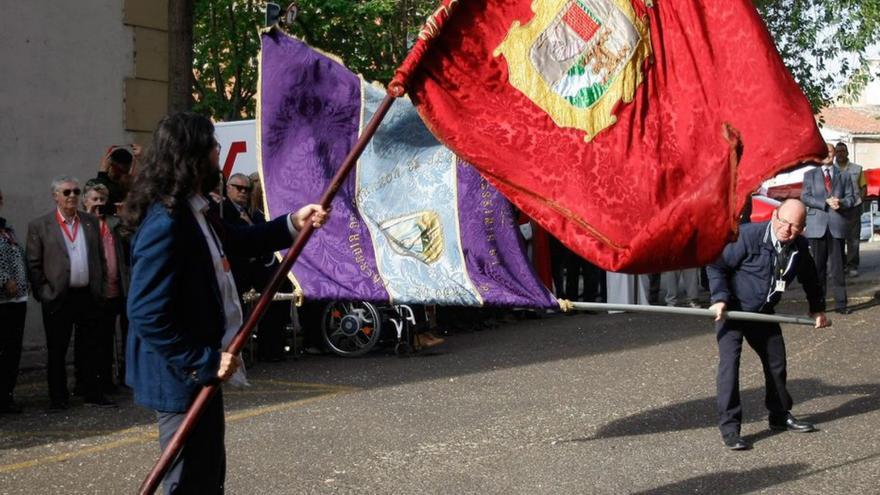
235	211
238	192
66	269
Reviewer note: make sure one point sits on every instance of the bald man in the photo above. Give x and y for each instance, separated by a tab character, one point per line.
752	274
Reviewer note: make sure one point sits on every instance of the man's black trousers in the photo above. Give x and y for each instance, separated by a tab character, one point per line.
12	317
200	468
828	254
766	340
78	310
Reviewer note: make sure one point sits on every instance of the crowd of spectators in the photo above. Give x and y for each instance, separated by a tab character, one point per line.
75	261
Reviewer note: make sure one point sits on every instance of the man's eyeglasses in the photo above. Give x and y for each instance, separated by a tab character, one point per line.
793	227
241	189
67	192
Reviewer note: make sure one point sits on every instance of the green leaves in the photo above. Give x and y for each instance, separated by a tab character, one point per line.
824	43
225	47
371	36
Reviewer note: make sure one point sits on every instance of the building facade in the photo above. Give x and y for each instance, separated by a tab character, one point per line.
78	77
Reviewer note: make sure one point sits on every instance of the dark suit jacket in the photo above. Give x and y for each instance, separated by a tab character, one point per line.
744	276
176	318
49	264
247	270
820	216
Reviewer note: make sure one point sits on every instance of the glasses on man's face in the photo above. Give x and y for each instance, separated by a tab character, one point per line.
241	189
67	192
786	223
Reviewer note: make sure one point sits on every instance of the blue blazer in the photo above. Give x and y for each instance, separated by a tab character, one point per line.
744	278
820	216
174	306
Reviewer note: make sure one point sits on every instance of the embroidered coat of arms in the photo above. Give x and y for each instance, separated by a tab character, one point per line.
576	59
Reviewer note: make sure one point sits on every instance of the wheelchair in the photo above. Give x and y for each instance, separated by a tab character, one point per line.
351	329
348	329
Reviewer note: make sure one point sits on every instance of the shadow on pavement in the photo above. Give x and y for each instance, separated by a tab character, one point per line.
37	427
515	344
741	482
734	482
701	413
867	304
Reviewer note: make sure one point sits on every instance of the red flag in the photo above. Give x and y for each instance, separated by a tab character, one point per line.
632	131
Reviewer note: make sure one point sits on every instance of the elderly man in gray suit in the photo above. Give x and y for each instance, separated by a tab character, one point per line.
828	192
66	268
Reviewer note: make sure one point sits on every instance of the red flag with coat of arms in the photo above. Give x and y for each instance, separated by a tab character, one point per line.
634	131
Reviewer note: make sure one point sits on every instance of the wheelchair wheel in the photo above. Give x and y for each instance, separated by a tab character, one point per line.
350	329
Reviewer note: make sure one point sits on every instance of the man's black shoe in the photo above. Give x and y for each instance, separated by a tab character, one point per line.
843	311
790	423
100	402
735	442
58	405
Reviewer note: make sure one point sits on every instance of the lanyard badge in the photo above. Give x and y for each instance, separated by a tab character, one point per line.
70	237
782	260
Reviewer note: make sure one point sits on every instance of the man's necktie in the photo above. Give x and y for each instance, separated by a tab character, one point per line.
827	181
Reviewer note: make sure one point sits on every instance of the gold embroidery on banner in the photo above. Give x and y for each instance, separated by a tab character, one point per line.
433	22
576	59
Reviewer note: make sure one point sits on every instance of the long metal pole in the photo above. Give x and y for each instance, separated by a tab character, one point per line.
195	410
669	310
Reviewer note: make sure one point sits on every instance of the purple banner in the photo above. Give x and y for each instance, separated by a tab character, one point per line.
397	233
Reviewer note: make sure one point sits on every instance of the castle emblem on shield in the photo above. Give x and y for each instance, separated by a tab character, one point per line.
576	59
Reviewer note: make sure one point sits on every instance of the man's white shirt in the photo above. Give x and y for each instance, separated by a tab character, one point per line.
77	251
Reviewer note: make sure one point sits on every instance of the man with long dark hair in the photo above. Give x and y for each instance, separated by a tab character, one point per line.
182	303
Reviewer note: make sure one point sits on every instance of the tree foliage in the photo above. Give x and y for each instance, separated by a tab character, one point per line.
823	42
225	48
371	36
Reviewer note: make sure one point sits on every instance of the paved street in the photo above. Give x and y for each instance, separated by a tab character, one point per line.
598	404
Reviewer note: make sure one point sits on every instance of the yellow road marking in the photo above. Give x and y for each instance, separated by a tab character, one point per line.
250	413
325	391
338	388
79	453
